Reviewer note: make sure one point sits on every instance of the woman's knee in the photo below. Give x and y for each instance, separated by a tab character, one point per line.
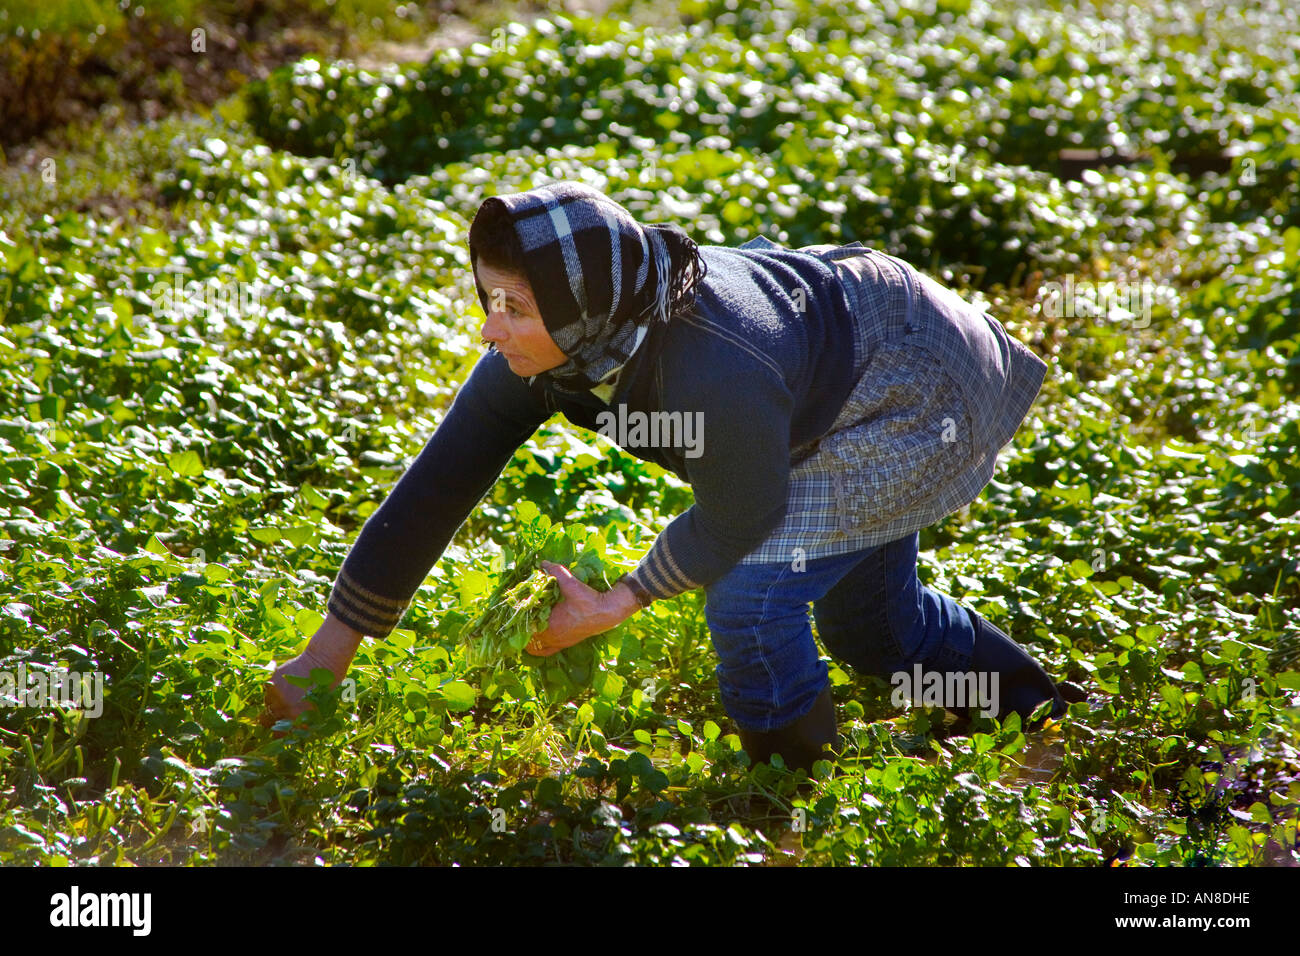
768	662
871	619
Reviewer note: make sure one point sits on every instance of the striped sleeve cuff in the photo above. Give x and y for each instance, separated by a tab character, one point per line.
363	610
659	574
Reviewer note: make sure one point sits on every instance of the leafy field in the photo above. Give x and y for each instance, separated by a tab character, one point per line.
61	60
202	398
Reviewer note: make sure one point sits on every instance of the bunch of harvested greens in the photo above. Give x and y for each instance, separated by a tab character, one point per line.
520	604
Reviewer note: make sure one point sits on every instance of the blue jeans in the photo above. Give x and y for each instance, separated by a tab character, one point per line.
871	611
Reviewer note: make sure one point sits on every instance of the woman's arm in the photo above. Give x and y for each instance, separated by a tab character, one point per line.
494	413
741	481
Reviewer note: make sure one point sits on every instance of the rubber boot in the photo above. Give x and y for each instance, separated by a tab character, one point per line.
799	743
1022	683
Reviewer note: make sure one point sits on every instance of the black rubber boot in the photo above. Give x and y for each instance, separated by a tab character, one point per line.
799	743
1022	684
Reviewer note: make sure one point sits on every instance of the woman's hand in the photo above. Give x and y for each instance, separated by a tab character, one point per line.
332	647
581	613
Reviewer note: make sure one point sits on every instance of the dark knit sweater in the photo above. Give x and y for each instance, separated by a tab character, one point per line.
764	361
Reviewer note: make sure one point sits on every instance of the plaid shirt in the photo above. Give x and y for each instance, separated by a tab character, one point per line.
940	390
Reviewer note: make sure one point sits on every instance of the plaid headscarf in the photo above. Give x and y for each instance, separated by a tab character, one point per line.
599	277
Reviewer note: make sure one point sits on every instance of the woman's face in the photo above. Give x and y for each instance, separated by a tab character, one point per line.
515	324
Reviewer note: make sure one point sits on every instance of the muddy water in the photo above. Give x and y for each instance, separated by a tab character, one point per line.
790	850
1040	758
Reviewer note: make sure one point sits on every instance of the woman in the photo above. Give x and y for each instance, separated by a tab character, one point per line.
843	402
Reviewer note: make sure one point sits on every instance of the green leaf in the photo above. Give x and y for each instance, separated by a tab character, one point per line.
613	686
459	695
308	621
216	573
1240	836
122	309
299	534
1014	745
473	585
18	611
313	497
187	464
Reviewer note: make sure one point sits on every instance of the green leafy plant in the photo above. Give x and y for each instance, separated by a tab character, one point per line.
524	594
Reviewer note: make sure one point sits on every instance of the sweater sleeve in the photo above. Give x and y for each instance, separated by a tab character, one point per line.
741	481
494	413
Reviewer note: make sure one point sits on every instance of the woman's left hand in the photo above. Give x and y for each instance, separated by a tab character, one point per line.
581	613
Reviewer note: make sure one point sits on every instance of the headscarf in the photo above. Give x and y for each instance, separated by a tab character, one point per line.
599	277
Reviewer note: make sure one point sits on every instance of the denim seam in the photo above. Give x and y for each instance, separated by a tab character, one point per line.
773	699
881	602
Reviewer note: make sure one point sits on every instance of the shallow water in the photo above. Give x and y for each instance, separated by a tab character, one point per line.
1040	758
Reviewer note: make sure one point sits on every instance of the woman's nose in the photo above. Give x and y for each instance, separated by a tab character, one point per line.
492	327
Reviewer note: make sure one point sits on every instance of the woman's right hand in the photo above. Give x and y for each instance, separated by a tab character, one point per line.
332	647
